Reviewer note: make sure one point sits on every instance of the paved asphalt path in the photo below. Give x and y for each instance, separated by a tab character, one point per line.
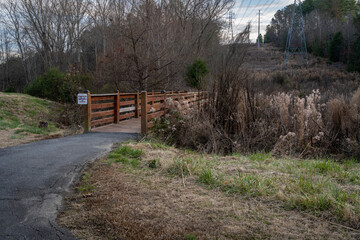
34	178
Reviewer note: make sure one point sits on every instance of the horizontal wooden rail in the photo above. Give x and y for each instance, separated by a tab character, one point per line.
155	106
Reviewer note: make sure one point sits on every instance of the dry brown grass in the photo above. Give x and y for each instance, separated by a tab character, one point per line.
144	203
270	75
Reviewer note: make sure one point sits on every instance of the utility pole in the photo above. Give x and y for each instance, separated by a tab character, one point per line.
259	30
296	40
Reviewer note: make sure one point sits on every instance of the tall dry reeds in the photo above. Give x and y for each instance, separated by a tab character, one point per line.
240	118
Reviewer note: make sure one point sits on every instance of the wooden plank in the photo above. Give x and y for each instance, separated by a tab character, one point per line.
156	114
102	121
102	114
137	108
103	95
102	105
128	115
93	99
124	103
124	96
127	109
127	94
156	98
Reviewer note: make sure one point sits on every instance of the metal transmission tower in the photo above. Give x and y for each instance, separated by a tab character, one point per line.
230	31
296	41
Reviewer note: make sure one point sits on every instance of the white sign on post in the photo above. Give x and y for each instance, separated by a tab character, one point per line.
82	99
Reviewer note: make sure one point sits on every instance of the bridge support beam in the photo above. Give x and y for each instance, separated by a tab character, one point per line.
144	110
117	107
87	112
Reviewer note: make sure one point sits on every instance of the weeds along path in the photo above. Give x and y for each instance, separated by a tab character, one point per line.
34	178
148	190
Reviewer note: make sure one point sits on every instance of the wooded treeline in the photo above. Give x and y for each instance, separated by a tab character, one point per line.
124	44
332	29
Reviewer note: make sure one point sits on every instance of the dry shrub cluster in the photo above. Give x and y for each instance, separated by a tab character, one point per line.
241	118
237	119
328	80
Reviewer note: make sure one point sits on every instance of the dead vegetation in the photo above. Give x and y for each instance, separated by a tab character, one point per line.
304	112
166	194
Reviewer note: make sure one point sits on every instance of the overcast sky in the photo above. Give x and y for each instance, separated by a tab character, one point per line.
246	10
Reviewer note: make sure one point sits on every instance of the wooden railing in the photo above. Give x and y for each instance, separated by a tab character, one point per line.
103	109
158	105
110	108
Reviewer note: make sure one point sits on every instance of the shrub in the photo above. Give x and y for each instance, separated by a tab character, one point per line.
283	124
10	89
57	86
354	61
318	49
335	47
195	73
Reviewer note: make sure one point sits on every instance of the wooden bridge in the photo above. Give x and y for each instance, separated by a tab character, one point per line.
123	112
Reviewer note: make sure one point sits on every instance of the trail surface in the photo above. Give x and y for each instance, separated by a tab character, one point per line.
35	177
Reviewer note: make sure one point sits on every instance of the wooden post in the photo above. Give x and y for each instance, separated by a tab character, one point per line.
144	123
137	104
117	107
87	113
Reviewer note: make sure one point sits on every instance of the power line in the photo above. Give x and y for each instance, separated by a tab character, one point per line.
246	10
255	8
269	4
268	7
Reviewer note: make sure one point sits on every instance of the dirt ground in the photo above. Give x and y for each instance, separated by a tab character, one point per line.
6	139
144	203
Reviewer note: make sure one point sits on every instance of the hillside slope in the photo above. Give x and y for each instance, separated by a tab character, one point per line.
20	117
270	74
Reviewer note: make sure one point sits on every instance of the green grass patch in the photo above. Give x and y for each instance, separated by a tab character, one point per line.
17	136
8	120
307	185
158	145
35	129
189	237
126	155
85	186
186	166
260	156
208	177
129	152
322	187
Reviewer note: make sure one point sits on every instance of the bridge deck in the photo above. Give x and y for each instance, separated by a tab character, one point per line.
127	126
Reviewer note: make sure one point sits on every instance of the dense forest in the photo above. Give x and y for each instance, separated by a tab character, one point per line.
332	29
114	44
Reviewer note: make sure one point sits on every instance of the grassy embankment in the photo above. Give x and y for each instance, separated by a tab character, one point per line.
148	190
20	115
